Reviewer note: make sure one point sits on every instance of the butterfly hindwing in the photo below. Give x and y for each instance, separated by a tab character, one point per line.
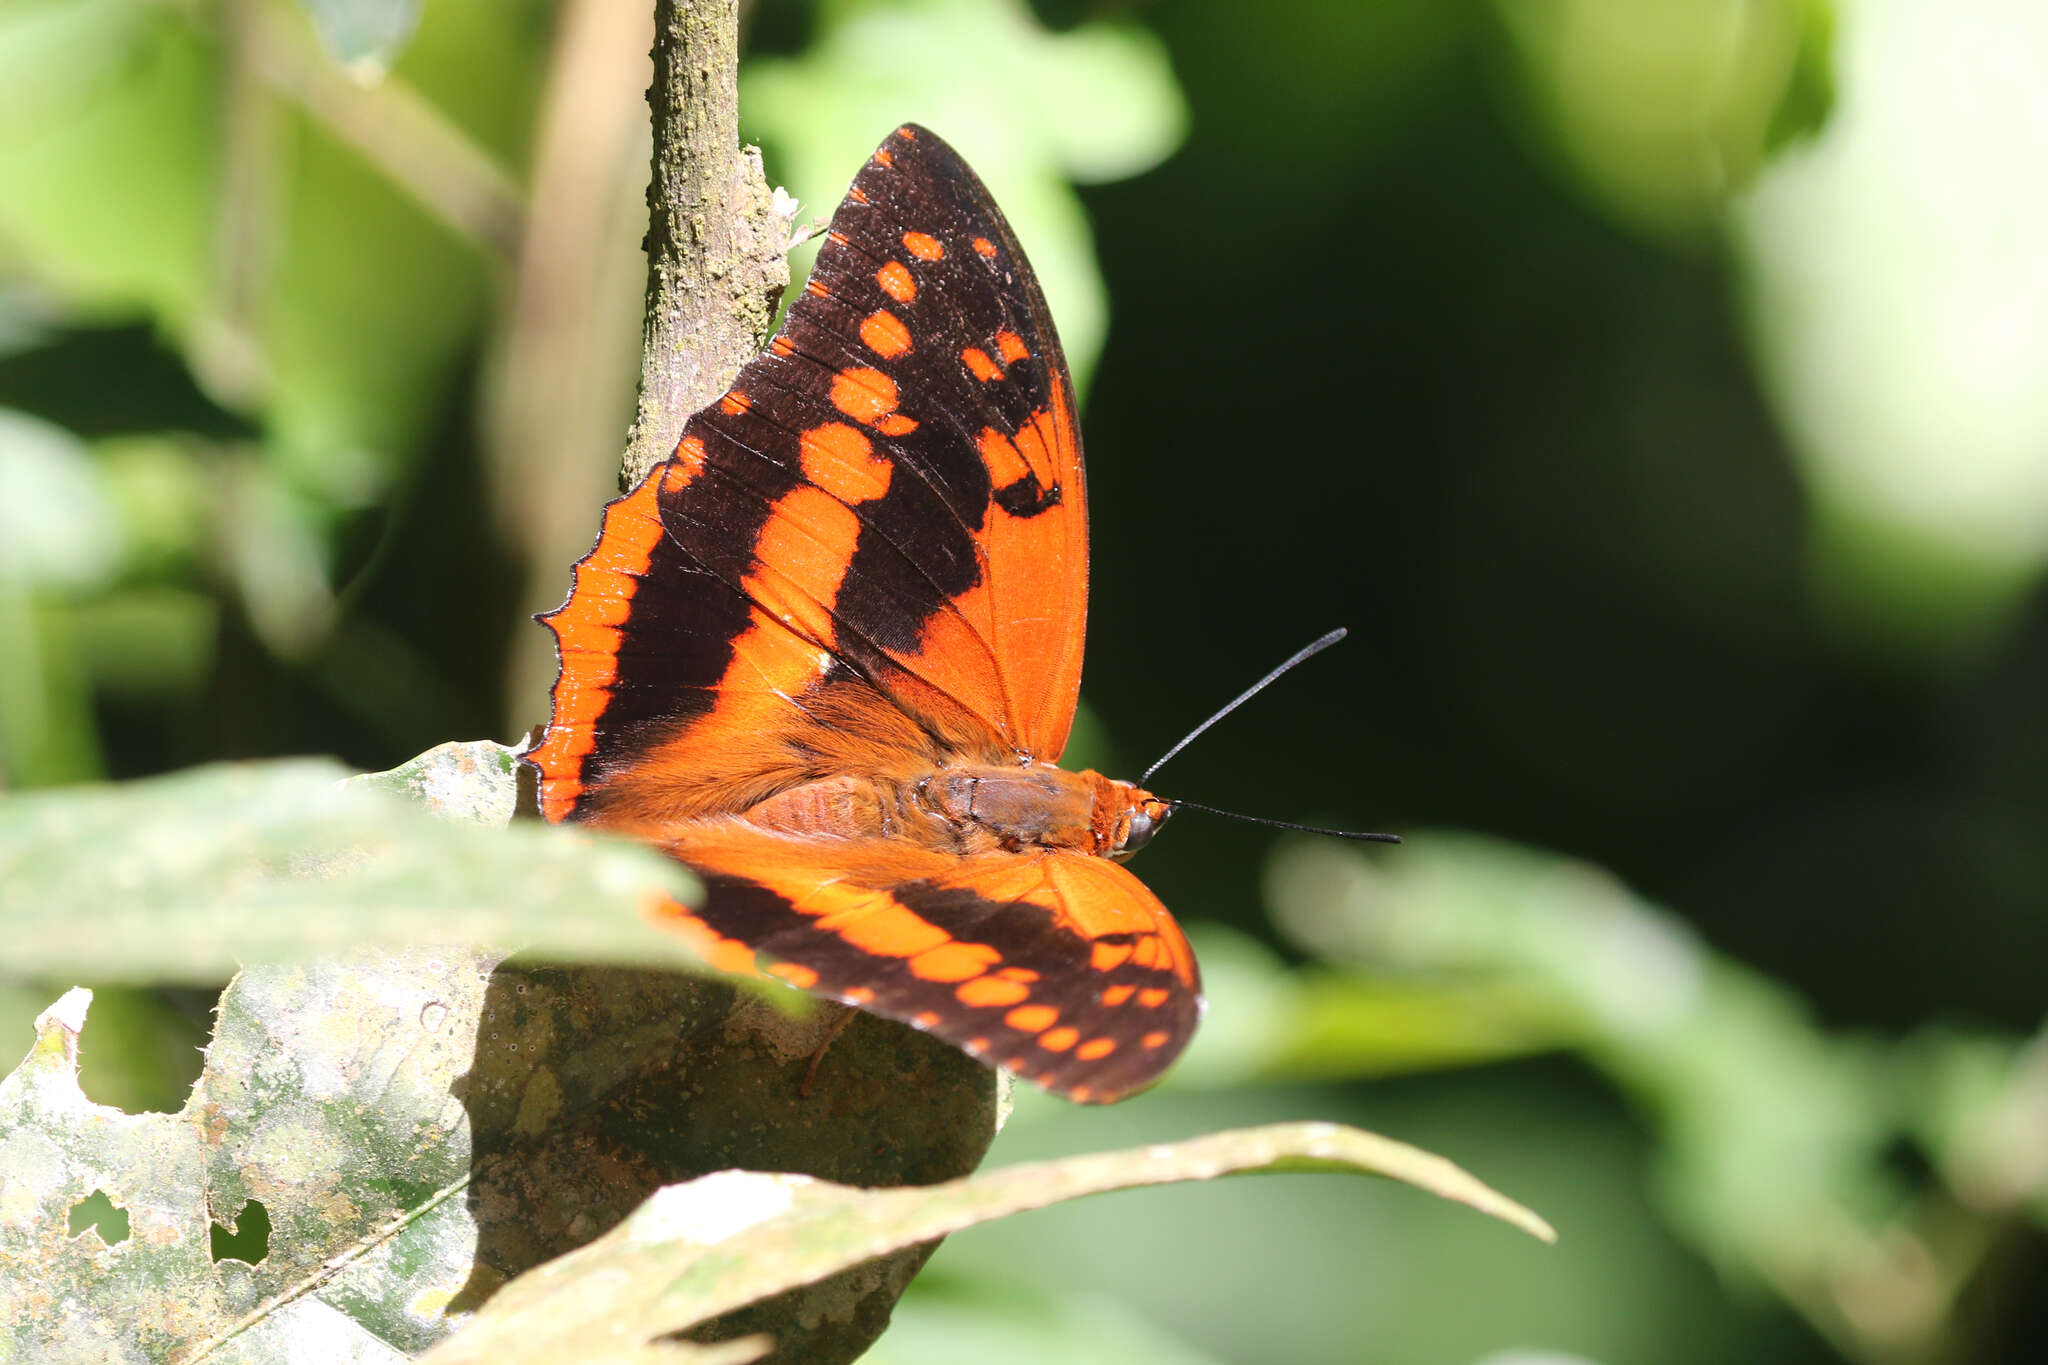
891	498
1060	967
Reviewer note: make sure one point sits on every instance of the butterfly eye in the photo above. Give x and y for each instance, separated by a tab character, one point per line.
1145	823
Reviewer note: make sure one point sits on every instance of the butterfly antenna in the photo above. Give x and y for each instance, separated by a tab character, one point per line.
1359	835
1302	655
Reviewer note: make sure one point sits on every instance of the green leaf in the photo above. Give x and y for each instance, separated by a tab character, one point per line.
58	527
1880	264
108	122
314	1125
1033	112
1317	1023
1773	1132
341	330
695	1252
1005	1322
1810	92
185	877
48	733
1661	109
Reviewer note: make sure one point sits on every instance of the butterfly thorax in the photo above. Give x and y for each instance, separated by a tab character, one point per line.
972	808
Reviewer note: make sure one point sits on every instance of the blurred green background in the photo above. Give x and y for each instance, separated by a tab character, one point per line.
1658	388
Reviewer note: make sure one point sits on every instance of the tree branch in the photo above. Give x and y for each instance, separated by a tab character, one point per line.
715	241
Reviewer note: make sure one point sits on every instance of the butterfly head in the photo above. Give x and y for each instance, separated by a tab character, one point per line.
1141	818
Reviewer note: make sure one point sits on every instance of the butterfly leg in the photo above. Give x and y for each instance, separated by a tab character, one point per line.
838	1027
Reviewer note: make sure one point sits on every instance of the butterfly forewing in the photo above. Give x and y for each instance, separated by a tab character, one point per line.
895	484
921	278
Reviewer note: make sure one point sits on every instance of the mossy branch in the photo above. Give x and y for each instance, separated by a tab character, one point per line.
715	240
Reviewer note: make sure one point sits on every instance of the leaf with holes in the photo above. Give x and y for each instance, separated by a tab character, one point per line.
377	1143
321	1188
133	1237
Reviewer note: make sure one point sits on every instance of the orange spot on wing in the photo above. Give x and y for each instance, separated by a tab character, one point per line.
817	288
979	365
924	1019
1152	997
885	334
863	393
841	460
985	246
689	464
723	954
954	962
1032	1018
730	955
894	277
1035	451
857	195
1156	1038
1113	996
858	995
735	403
907	133
875	923
797	975
1107	957
976	1045
1149	951
782	346
1080	1094
882	156
924	246
836	237
1018	974
990	991
1011	347
895	424
1059	1039
1095	1049
799	561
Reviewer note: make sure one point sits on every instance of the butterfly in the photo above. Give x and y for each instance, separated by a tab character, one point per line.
827	656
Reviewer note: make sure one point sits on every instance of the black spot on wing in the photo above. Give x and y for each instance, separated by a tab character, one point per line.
1027	497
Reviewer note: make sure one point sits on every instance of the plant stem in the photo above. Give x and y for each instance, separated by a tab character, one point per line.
715	242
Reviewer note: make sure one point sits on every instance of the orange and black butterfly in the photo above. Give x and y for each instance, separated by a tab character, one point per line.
827	656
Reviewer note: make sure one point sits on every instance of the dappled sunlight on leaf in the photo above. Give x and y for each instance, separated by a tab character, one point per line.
694	1252
222	865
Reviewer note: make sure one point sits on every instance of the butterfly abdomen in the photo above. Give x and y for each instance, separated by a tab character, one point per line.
962	809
